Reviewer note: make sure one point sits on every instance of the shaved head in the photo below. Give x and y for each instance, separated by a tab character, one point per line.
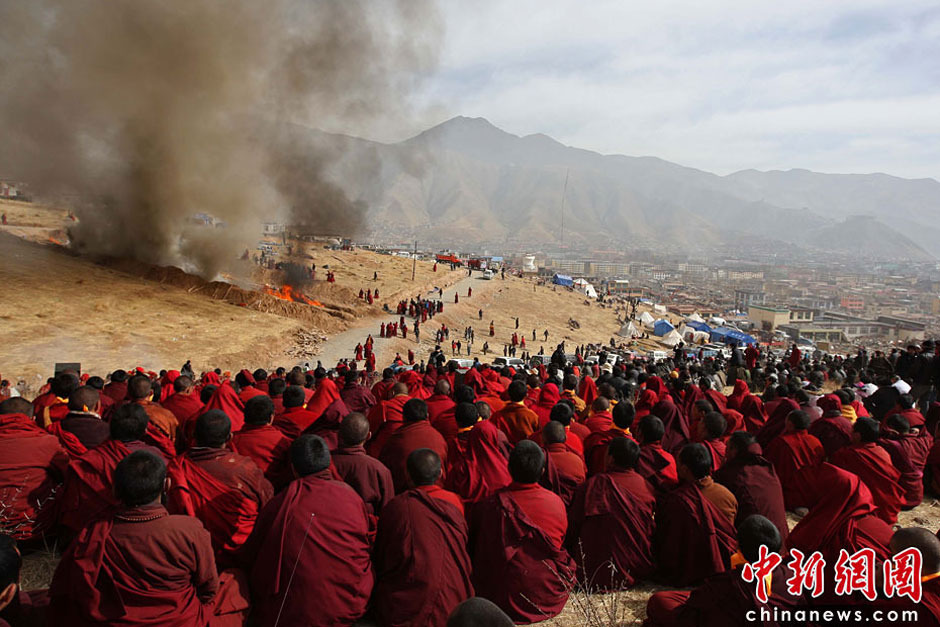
16	405
442	387
354	429
553	433
478	612
424	467
922	539
84	398
399	389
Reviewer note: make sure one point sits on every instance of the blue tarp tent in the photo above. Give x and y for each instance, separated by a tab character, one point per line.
661	327
562	279
727	336
698	326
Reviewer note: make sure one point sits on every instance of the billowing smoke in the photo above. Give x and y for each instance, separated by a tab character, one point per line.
142	114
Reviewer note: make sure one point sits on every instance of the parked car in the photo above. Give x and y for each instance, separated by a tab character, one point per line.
463	365
512	362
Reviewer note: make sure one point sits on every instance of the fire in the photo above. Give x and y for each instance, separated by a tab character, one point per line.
286	292
55	241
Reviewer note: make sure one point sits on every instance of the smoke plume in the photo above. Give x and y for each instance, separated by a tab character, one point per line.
141	114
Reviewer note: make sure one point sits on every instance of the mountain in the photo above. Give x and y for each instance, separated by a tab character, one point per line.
466	181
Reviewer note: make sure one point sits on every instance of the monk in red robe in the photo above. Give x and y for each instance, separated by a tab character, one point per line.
368	476
872	463
777	416
140	392
548	398
185	403
675	423
907	410
726	598
83	422
595	445
694	536
382	389
833	430
752	480
309	554
325	395
908	450
246	386
710	432
655	465
116	388
574	432
564	471
599	419
142	566
357	397
263	443
296	417
713	396
842	515
440	403
611	522
516	420
477	457
32	465
792	451
928	609
517	537
53	406
415	432
87	492
422	568
386	418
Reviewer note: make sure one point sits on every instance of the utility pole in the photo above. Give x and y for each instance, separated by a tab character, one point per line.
563	194
414	261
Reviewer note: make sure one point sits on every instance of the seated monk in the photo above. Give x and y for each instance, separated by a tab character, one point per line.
928	609
600	419
696	415
386	418
710	432
595	445
564	470
655	465
83	421
276	389
725	598
368	476
441	408
263	443
908	451
478	612
753	482
907	411
777	412
516	420
141	565
184	403
357	397
246	386
140	392
422	568
563	414
842	515
516	543
867	459
569	391
116	387
611	522
296	416
223	489
416	432
53	405
87	492
832	430
382	390
477	457
16	606
309	553
792	451
32	465
717	400
694	536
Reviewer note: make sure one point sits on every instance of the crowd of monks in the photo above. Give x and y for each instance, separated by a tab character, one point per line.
435	496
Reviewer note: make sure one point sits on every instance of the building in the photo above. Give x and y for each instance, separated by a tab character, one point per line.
768	318
744	298
852	303
618	287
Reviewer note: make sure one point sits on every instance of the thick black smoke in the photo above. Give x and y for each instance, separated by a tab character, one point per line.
141	114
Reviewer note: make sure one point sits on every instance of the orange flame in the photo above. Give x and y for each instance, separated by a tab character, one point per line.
55	241
286	292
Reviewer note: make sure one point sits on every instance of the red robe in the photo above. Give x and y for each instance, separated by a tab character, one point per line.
873	465
32	464
438	405
325	394
611	525
184	406
717	450
478	466
752	408
548	398
224	490
693	538
564	471
389	410
676	424
368	476
736	397
410	437
139	567
309	555
777	421
658	467
834	432
267	447
227	400
587	390
598	422
790	453
595	448
755	485
519	562
422	567
294	421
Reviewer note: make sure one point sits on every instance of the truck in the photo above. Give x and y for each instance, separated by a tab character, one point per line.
449	258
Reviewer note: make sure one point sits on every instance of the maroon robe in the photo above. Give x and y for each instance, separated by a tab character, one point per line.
776	421
410	437
141	566
873	466
329	423
564	471
294	420
833	432
309	555
116	390
611	529
752	480
184	406
267	447
676	425
368	476
478	466
358	398
658	467
790	453
223	489
693	538
717	449
752	408
595	448
422	567
717	400
32	465
518	559
911	480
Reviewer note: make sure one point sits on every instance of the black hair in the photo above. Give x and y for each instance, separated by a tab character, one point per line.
526	462
259	410
213	429
309	454
139	478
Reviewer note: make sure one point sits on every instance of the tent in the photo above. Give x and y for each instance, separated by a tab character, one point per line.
696	318
717	321
659	308
585	287
646	318
629	330
562	279
690	335
727	336
662	326
671	338
698	326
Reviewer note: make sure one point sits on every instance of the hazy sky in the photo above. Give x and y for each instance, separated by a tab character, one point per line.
719	85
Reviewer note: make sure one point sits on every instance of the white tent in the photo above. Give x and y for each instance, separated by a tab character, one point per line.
586	287
646	318
692	336
671	339
717	321
659	308
696	318
628	330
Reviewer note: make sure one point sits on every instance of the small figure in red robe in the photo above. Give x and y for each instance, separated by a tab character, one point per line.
564	470
368	476
656	465
263	443
309	555
415	432
469	292
792	451
872	463
422	567
456	298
